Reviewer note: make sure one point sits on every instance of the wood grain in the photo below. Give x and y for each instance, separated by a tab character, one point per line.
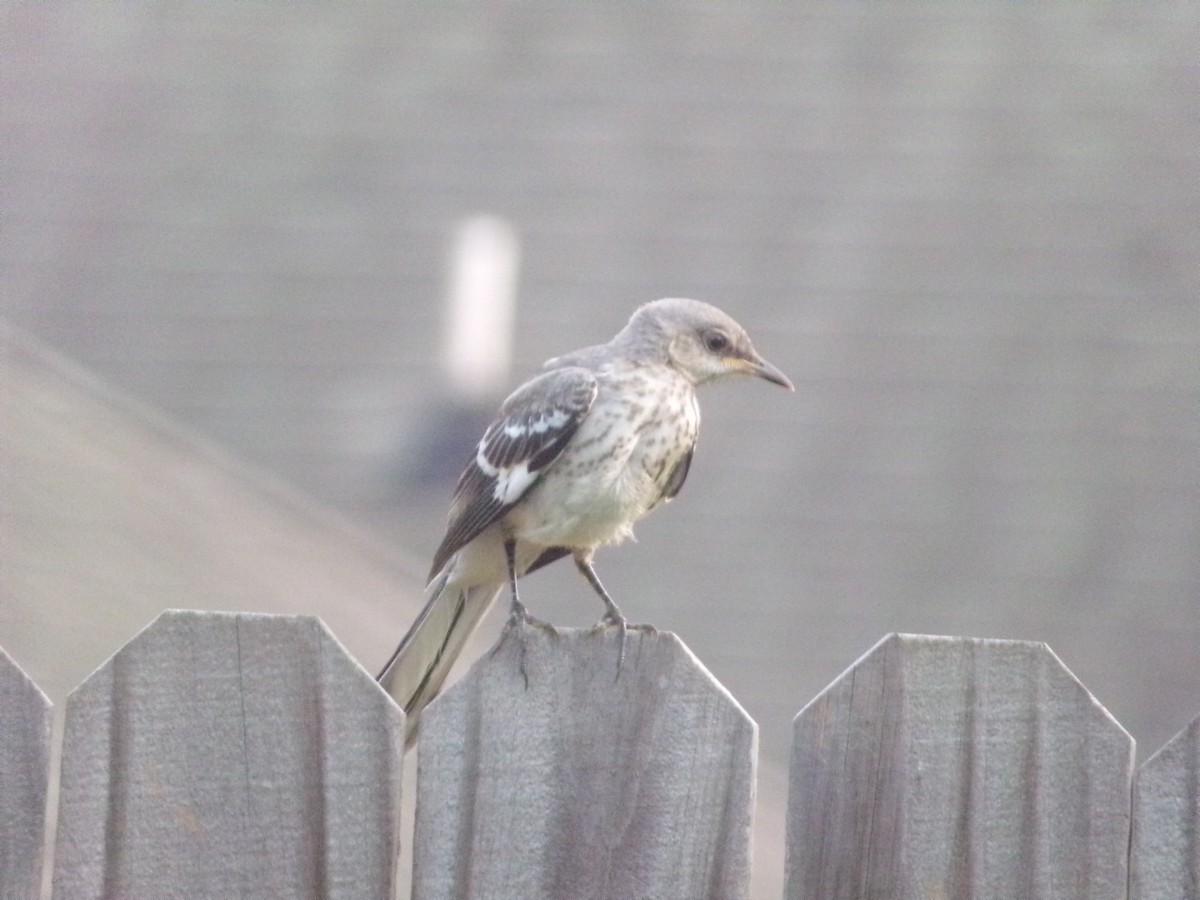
229	755
956	767
583	784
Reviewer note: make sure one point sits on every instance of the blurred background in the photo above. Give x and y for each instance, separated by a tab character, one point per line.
270	267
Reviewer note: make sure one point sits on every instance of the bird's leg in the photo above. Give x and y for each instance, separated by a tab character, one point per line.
612	614
518	614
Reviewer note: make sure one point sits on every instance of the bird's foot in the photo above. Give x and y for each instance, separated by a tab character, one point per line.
611	620
520	620
615	619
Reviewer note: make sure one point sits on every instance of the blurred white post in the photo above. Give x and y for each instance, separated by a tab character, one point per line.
477	354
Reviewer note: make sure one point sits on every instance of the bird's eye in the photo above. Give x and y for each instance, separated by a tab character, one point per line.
716	341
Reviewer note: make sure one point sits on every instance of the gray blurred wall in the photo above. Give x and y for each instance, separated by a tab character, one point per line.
968	232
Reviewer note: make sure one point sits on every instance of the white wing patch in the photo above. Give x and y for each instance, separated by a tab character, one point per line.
481	460
552	420
555	419
513	482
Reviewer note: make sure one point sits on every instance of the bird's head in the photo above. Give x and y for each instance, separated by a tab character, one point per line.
702	342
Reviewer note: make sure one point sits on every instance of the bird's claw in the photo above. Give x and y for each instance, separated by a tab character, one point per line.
519	621
614	619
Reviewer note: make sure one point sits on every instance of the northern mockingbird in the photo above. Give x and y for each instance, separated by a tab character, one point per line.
576	456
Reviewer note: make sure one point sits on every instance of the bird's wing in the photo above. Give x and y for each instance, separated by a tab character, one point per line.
677	477
535	423
549	555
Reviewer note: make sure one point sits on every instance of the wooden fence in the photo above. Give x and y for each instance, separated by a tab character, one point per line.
231	755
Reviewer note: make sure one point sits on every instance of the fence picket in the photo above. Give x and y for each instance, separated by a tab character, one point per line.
229	755
948	767
1165	858
582	783
24	773
242	755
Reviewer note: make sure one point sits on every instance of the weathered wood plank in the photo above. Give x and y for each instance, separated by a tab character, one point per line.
24	774
229	755
1165	862
953	767
583	784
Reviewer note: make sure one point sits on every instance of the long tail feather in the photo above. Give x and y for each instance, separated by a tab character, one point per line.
417	669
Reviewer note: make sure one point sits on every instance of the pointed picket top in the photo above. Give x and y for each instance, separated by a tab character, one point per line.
24	772
1165	857
226	755
569	781
947	767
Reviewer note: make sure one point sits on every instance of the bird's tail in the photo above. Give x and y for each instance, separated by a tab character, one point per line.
416	670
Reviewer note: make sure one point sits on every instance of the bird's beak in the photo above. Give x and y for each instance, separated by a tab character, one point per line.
760	368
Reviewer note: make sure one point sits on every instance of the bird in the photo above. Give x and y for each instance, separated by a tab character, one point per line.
576	456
